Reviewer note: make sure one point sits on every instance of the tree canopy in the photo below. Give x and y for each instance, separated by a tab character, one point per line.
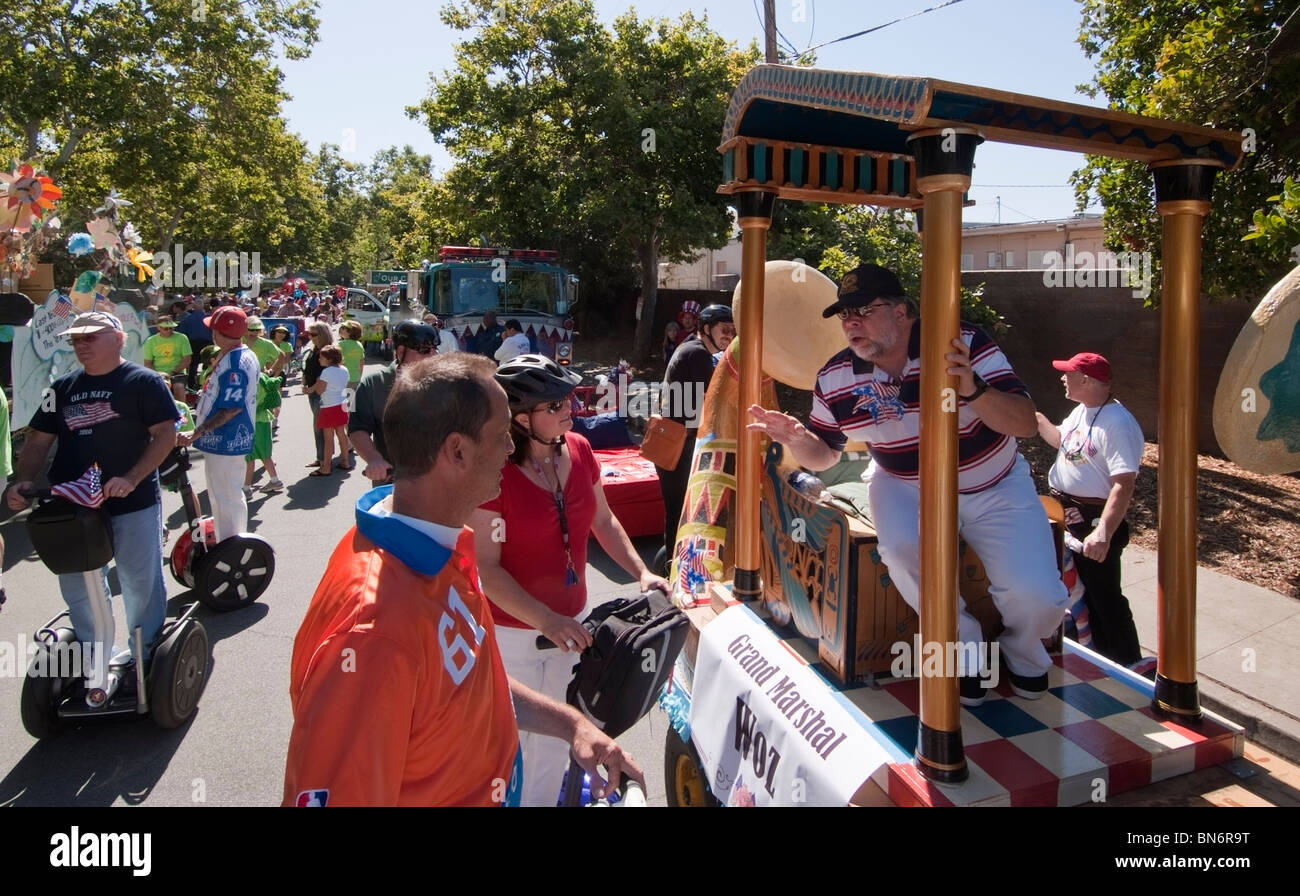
1232	65
598	142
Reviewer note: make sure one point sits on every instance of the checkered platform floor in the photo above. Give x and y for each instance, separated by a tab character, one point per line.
1093	734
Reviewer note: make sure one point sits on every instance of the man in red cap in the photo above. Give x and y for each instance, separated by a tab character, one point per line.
226	413
1099	451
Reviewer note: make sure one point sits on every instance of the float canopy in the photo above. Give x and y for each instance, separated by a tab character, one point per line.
831	136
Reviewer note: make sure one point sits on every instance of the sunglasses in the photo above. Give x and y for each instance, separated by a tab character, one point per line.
863	311
554	407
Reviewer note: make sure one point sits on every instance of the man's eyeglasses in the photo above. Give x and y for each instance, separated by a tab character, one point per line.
862	311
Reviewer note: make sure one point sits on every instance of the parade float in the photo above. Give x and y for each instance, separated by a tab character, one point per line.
790	689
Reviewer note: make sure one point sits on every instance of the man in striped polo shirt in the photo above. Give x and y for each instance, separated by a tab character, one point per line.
871	392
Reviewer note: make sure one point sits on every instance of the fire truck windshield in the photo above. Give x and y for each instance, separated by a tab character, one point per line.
462	289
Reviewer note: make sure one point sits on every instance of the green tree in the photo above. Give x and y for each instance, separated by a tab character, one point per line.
157	99
1232	66
599	143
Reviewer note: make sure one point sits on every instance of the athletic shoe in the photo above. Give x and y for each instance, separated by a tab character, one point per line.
273	486
1030	687
248	493
973	689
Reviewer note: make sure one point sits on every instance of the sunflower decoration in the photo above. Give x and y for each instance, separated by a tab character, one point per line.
28	196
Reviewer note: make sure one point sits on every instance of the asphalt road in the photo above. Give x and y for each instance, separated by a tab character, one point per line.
231	753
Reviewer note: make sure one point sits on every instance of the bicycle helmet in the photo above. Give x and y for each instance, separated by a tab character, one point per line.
530	380
716	314
415	334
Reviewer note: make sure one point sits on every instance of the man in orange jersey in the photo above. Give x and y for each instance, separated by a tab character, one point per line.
399	695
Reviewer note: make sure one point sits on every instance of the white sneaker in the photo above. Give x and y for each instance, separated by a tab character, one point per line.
273	486
248	493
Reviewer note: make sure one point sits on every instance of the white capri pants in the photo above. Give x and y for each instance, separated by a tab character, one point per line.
549	672
1007	526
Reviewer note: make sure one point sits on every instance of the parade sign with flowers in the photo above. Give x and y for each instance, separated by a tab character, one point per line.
41	352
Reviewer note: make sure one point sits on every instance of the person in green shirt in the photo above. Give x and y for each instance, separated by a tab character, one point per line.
269	356
180	395
354	353
167	351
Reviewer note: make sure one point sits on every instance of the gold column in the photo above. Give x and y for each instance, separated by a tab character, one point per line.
755	218
943	160
1182	199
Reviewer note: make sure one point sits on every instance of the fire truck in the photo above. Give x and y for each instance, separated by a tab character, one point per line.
527	285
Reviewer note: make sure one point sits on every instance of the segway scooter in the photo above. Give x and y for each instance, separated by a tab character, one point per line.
224	575
68	681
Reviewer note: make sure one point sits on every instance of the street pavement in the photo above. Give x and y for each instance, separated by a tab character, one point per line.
232	752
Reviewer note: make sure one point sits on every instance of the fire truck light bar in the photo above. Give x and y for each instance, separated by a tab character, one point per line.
452	253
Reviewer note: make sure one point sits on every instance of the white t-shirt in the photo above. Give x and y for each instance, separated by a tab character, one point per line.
336	384
513	347
447	343
1096	444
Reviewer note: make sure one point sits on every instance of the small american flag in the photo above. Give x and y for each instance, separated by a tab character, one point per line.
63	308
87	491
693	574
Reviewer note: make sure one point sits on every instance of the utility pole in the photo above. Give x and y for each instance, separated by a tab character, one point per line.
769	30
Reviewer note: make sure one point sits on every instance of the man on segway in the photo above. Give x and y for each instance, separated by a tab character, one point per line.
121	416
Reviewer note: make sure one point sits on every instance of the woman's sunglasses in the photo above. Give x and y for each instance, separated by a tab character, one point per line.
554	407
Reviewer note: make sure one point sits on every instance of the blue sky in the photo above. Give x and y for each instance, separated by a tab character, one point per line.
375	57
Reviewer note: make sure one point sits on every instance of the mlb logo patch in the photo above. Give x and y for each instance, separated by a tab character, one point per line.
312	799
233	378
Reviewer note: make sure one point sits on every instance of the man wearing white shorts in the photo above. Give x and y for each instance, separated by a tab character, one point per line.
871	392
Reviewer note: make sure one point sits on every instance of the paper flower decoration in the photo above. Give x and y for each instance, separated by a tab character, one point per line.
140	260
28	196
129	235
104	232
80	244
112	202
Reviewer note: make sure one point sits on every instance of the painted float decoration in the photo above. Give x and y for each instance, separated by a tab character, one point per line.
1257	403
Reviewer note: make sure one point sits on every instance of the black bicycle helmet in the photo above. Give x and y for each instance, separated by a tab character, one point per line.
530	380
716	314
415	334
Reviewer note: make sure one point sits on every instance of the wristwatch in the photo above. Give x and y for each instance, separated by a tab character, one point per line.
980	386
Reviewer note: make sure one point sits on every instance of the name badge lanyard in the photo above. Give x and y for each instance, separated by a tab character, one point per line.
570	574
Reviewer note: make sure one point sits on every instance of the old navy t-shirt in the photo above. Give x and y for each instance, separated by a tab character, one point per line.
105	419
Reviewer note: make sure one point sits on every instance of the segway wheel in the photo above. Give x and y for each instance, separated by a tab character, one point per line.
178	674
234	573
684	775
44	686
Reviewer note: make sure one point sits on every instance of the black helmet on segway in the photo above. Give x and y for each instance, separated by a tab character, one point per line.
530	380
415	334
716	314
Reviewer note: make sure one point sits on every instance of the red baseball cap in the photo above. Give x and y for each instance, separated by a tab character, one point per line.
1089	364
229	321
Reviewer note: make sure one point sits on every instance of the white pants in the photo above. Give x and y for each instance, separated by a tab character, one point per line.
1008	528
225	474
549	672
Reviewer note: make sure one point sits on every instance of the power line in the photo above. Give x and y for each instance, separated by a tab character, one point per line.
878	27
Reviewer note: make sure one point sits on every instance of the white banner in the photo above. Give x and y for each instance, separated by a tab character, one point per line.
769	730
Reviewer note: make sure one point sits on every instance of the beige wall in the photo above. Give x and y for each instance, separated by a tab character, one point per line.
710	269
1023	239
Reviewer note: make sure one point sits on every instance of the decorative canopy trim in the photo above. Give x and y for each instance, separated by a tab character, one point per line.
875	113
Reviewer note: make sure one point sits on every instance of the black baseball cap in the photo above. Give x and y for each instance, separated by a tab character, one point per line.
863	285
